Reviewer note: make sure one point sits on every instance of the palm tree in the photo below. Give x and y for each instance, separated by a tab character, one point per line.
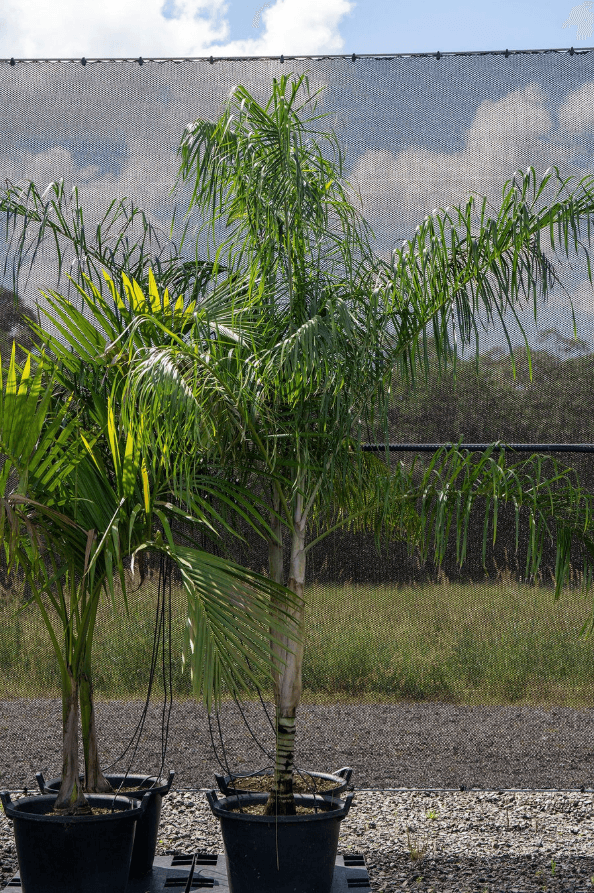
321	327
78	496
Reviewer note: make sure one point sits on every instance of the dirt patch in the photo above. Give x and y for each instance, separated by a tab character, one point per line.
388	745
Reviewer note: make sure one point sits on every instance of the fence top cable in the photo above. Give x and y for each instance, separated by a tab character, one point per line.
353	57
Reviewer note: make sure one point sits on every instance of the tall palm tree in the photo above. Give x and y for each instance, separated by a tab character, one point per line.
321	326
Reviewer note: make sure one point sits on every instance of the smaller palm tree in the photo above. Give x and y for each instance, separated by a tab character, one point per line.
77	497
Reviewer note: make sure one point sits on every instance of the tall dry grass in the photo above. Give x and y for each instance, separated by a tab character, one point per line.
495	643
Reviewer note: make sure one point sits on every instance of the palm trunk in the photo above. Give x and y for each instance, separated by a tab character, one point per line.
70	797
95	781
287	680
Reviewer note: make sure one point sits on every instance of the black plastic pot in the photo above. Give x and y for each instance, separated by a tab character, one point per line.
341	777
72	854
147	828
280	854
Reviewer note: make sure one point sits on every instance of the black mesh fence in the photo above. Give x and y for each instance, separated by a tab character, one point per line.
469	675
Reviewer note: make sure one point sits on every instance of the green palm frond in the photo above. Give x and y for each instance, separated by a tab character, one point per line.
466	268
262	170
124	240
228	631
425	507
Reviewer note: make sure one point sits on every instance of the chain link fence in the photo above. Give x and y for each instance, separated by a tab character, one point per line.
427	669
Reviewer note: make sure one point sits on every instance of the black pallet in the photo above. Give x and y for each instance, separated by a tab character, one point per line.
170	873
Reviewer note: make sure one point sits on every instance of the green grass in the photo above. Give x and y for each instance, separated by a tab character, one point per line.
485	644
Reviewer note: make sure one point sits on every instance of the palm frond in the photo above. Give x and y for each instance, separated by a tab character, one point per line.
467	269
228	633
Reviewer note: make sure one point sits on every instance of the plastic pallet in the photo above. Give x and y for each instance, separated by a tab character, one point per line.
170	873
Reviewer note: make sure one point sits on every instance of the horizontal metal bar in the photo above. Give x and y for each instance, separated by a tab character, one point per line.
321	56
479	447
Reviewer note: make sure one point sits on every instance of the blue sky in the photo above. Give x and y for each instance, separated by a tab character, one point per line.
34	28
385	26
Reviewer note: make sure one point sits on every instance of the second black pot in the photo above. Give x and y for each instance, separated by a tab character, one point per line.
280	854
147	827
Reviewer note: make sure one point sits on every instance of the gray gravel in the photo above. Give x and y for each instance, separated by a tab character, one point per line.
474	840
400	745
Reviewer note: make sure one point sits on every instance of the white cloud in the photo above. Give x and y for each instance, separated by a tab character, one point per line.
512	133
576	114
112	137
297	26
69	28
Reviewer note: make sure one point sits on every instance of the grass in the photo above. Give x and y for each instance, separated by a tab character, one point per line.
502	643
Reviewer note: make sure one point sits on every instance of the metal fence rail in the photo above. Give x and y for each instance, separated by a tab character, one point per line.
480	447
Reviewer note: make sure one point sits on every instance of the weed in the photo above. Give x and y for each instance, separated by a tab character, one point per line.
416	849
432	815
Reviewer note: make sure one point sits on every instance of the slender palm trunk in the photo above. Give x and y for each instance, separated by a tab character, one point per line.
95	781
287	679
70	796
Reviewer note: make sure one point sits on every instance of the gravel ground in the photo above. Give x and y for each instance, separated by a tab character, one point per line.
476	840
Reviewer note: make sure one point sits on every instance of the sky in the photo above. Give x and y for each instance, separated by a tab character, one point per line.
71	28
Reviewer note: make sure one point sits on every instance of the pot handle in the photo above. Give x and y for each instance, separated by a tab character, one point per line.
145	801
40	781
170	780
5	798
212	798
347	803
345	773
222	783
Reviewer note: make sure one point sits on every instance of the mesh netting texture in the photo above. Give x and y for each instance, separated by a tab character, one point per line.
470	662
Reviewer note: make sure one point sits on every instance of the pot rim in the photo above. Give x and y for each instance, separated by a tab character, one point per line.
17	809
163	788
223	808
341	777
329	775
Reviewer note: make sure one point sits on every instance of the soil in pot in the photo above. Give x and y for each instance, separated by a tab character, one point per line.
303	783
260	809
90	812
329	785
